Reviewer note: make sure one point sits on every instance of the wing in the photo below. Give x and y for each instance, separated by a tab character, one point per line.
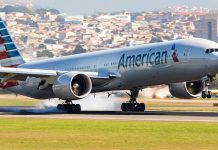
21	74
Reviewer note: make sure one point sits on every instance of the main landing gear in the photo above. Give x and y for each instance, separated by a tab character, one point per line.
69	107
132	104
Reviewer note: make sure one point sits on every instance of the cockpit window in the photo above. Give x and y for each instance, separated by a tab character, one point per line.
211	50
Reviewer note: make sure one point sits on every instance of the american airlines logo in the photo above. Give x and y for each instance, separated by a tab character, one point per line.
150	58
174	53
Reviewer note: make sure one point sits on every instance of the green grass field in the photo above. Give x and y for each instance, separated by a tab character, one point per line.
18	102
67	134
59	134
13	100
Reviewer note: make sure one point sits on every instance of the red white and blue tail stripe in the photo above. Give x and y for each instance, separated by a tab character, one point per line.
9	54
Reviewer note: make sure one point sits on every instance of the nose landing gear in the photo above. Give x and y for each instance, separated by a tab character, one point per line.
69	107
207	93
132	104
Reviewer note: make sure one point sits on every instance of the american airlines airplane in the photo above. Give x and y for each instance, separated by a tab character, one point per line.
188	66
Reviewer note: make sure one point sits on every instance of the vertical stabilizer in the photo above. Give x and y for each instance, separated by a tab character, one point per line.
9	54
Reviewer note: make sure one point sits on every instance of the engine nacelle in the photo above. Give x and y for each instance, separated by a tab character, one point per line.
187	90
71	86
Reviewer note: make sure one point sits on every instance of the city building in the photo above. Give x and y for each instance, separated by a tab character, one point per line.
207	28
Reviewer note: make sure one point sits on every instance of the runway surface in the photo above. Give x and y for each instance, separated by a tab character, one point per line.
51	113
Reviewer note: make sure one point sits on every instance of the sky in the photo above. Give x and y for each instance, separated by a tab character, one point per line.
86	7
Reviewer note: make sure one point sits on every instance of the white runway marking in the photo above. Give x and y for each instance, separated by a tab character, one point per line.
166	118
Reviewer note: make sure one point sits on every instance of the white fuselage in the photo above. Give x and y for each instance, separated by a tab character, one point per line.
134	67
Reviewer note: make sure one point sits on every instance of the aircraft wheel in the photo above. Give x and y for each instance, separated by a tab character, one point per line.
209	94
77	108
141	107
60	107
203	94
123	106
132	106
128	107
68	108
136	107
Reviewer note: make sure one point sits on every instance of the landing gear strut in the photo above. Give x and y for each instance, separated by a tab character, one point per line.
69	107
206	93
132	104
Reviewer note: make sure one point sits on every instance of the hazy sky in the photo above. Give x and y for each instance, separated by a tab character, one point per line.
77	7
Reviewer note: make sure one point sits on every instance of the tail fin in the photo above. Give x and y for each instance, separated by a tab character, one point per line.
9	54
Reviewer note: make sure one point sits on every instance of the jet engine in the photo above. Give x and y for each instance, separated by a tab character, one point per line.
187	90
72	86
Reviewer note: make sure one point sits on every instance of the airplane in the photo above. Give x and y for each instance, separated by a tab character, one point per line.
187	66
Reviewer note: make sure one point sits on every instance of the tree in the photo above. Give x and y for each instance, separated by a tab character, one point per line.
54	11
66	53
156	40
41	46
41	11
45	53
49	41
9	9
97	30
79	49
60	19
24	38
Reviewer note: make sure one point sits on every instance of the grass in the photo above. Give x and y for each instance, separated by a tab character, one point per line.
47	134
18	102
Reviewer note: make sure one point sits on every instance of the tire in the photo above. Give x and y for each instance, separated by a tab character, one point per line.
60	107
132	107
203	94
141	107
128	107
69	108
209	94
123	106
137	107
77	108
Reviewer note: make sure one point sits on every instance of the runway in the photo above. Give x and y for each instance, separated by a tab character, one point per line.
168	116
